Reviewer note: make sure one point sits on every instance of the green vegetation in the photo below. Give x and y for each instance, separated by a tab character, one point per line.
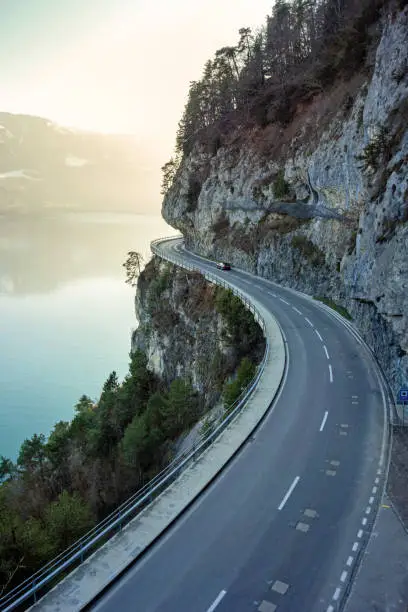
232	390
60	487
303	47
280	186
159	284
169	171
352	243
374	153
340	309
28	542
309	250
360	118
242	330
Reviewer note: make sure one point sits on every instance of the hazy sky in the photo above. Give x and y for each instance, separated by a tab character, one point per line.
113	65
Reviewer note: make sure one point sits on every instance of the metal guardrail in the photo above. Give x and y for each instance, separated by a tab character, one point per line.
46	577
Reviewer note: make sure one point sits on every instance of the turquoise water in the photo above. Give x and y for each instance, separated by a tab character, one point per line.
66	314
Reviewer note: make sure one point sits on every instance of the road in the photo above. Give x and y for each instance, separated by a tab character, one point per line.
284	525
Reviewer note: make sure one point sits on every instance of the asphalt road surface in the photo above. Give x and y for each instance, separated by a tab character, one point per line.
284	525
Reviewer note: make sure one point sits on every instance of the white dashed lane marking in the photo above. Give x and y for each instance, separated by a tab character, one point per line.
331	373
364	521
343	577
284	301
355	547
297	310
326	414
319	336
350	561
309	321
217	601
326	351
289	493
360	533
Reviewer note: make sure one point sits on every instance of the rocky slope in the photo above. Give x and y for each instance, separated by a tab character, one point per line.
185	333
322	204
179	328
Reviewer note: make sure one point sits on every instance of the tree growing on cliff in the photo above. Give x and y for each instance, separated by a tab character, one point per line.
302	48
233	389
133	266
169	171
67	519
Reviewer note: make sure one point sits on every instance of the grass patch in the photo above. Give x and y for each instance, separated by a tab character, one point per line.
280	186
340	309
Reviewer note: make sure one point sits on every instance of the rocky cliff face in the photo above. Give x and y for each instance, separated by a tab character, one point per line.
322	204
180	329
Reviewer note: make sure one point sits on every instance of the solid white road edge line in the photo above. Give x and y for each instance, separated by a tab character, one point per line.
331	373
326	414
217	601
289	493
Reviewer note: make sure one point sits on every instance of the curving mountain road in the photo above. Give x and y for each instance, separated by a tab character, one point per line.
284	526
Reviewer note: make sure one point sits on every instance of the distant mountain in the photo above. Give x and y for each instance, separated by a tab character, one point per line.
43	165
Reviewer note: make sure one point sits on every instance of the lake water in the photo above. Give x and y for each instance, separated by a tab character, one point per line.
66	314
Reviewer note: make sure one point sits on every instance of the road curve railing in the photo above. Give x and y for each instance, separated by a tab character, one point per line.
33	588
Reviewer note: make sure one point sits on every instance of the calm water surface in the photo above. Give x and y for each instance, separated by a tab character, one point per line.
66	314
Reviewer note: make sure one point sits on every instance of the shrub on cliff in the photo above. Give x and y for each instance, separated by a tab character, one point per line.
280	186
133	266
376	150
242	330
232	390
167	415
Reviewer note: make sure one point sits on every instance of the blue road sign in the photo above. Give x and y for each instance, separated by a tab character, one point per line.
403	395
